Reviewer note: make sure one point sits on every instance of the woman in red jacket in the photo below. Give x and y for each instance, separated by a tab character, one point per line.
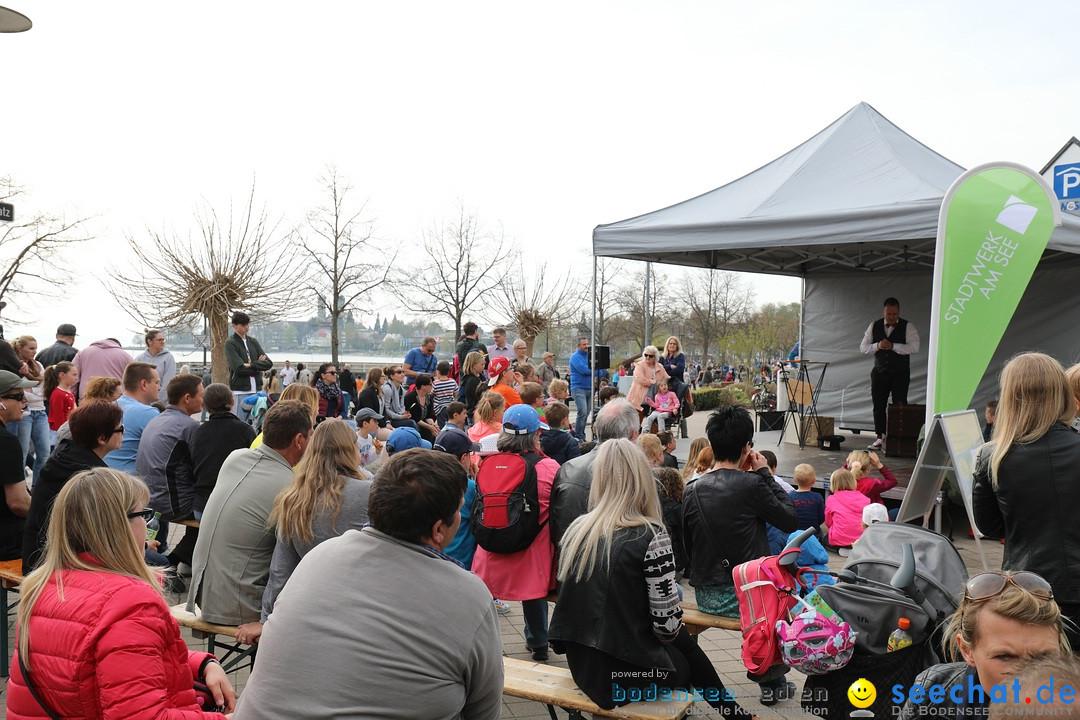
94	634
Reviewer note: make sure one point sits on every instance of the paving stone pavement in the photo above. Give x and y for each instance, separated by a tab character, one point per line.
721	646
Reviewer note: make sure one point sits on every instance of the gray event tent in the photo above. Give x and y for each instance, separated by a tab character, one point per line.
853	211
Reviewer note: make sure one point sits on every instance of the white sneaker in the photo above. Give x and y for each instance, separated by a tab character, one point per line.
877	444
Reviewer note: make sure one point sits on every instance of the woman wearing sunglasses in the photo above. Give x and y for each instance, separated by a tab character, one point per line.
646	373
96	430
94	636
1004	619
1027	478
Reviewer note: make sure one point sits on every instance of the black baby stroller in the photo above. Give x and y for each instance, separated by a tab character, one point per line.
895	570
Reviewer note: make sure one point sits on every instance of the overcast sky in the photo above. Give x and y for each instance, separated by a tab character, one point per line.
546	118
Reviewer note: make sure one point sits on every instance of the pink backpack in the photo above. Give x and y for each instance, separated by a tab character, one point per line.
766	591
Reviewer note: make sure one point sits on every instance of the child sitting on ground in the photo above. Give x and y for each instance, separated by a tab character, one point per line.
664	405
859	463
487	420
843	510
874	513
443	391
560	390
532	394
557	442
809	506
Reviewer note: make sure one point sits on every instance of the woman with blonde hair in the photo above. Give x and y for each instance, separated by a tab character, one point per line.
859	463
616	564
95	637
1004	619
324	500
1027	478
690	470
306	394
472	384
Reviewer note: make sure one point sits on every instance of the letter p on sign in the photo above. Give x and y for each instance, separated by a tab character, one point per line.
1067	181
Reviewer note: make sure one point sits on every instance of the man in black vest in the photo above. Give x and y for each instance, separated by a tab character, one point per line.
892	340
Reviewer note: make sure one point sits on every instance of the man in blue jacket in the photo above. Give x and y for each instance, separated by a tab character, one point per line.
581	386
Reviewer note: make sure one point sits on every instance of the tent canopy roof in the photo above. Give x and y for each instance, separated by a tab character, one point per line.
861	195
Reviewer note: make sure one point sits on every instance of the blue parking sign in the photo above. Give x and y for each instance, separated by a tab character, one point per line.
1067	181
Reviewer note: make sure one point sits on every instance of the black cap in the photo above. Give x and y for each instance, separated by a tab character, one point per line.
455	443
66	329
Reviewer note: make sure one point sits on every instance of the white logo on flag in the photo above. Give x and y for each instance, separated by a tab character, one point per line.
1017	214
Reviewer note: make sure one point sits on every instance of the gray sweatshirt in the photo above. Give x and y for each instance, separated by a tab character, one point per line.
425	628
288	552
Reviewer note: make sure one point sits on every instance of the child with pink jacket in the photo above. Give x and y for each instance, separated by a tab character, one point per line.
664	405
843	509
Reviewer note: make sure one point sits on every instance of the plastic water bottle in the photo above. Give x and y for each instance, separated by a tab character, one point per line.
153	526
900	637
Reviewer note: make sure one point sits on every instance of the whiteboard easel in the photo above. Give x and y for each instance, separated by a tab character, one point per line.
952	444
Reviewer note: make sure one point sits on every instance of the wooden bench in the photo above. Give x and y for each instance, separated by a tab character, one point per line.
11	578
696	622
555	687
236	655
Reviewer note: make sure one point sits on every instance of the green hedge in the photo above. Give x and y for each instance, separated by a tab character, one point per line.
712	398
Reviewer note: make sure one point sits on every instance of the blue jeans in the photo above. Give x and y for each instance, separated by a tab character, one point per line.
34	427
583	407
536	623
346	401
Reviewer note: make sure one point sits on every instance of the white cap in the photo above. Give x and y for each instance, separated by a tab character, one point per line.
874	512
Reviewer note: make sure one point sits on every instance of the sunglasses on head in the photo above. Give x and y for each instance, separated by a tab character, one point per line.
991	584
146	514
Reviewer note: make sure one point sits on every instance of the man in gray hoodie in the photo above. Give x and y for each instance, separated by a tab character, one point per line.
162	359
164	460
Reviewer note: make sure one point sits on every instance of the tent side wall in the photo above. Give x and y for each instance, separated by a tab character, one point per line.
839	308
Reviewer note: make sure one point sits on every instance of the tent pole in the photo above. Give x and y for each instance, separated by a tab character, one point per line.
802	313
647	303
592	347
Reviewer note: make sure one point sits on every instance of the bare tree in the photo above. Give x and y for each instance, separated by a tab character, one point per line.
464	263
607	269
535	305
232	265
28	248
715	300
347	265
632	301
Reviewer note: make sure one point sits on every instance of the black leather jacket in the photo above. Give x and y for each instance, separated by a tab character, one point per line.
1034	508
724	516
609	610
570	494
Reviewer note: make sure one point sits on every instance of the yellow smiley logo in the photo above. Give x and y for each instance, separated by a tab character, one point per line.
862	693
